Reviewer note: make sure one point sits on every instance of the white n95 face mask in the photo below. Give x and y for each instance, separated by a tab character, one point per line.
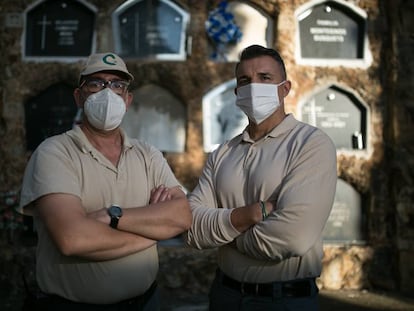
105	109
258	100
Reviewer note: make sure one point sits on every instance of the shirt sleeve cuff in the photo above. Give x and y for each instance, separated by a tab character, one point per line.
232	231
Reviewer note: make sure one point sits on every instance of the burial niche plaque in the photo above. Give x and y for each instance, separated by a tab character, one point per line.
157	117
339	114
222	119
331	30
150	29
51	112
346	221
59	28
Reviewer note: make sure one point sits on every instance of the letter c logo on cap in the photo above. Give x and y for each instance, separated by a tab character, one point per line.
109	59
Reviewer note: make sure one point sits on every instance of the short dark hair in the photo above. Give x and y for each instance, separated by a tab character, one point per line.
255	50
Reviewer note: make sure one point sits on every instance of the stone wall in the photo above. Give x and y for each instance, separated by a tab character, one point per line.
384	177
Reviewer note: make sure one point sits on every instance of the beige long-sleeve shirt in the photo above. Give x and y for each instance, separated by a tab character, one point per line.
293	165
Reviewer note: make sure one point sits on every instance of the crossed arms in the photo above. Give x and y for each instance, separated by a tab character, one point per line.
77	233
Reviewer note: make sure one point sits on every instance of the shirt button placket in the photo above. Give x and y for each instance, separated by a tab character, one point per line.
249	154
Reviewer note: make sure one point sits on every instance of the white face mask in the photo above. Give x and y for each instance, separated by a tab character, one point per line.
105	109
258	100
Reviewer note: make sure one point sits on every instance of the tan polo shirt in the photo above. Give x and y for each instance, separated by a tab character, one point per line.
68	163
293	165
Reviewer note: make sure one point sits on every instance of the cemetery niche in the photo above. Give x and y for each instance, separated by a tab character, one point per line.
232	26
333	31
56	29
150	29
50	113
346	223
157	117
222	119
340	114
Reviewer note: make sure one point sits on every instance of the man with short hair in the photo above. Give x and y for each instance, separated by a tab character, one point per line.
264	197
100	202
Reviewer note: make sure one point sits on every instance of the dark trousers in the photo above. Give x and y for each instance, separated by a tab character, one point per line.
149	301
230	295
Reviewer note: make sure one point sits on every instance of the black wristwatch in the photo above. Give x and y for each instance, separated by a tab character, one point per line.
115	212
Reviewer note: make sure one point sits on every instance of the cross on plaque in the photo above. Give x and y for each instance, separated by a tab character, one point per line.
44	22
58	29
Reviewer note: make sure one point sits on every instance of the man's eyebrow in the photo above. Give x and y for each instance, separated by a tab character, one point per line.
266	73
243	77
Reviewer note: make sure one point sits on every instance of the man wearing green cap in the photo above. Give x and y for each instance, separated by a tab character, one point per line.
100	202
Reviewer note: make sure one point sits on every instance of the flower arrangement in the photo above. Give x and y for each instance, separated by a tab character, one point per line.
222	29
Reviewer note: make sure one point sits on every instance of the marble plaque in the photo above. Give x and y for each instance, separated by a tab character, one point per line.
331	31
346	221
150	29
222	119
59	28
340	114
49	113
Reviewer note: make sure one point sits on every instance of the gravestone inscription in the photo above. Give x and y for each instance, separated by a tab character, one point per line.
346	221
331	31
59	28
154	28
338	114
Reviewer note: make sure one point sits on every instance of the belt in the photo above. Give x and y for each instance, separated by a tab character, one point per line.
141	299
301	288
54	300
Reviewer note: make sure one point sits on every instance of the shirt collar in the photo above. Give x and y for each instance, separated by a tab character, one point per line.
287	124
79	138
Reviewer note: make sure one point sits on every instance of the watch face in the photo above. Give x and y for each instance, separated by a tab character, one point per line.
115	211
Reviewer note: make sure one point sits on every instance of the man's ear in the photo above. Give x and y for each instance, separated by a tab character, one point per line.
129	100
77	96
286	87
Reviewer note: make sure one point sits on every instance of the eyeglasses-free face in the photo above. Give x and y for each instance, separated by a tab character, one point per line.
94	85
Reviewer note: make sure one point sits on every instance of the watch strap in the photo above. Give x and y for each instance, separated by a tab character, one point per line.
114	222
114	212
